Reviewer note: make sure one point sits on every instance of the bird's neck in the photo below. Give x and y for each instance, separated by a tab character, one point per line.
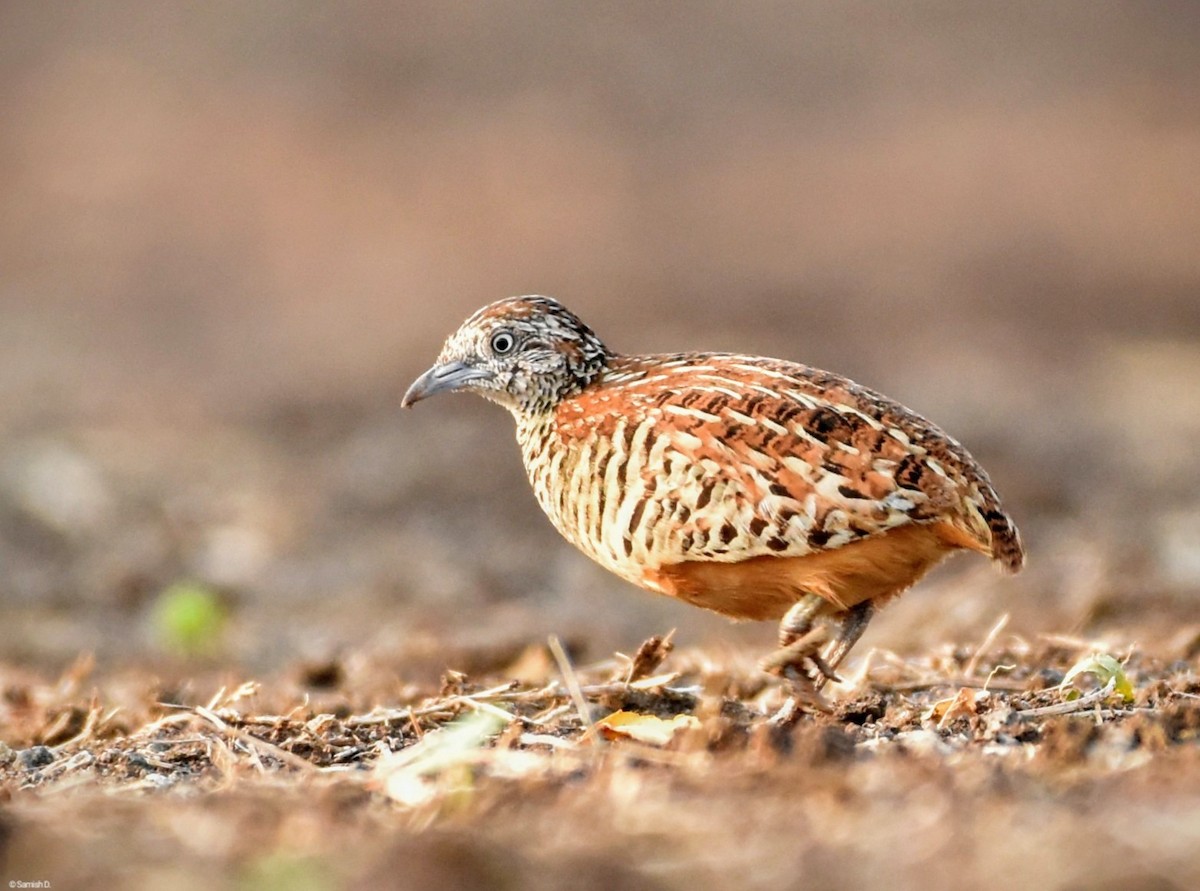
534	430
536	436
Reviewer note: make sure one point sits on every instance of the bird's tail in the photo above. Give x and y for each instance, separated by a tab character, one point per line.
1007	549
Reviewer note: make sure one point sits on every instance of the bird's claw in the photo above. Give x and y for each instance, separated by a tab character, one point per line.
800	663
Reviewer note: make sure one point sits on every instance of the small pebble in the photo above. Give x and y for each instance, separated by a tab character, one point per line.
139	762
35	757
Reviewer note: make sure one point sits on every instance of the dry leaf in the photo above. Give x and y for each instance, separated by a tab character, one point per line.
962	705
650	655
659	680
649	729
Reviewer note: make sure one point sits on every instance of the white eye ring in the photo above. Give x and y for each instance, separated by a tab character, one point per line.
503	343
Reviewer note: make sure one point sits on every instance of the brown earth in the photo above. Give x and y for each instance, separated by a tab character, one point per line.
969	766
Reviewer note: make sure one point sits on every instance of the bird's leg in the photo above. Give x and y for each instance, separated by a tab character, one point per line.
798	620
849	631
799	641
798	658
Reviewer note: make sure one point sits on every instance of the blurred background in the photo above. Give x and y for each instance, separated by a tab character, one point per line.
232	233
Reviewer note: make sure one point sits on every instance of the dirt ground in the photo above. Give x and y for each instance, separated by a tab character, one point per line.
970	766
261	629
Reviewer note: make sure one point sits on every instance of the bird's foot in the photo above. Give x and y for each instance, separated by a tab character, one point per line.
801	702
802	655
787	714
800	664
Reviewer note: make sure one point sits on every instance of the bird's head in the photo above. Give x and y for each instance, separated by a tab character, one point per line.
527	353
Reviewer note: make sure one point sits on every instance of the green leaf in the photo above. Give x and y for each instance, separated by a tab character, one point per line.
189	618
282	871
1105	669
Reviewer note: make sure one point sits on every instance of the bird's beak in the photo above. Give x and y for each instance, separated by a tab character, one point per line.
441	378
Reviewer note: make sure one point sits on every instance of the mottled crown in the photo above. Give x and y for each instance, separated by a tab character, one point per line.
531	351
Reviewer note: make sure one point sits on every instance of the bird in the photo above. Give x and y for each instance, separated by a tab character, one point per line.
758	488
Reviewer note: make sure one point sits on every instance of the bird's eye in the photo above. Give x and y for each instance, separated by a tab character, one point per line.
503	343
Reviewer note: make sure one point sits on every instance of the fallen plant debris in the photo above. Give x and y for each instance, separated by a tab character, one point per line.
454	755
643	728
176	743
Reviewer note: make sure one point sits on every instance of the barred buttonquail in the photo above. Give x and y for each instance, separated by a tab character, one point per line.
758	488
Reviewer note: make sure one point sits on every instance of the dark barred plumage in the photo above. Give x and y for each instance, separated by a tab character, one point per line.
755	487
